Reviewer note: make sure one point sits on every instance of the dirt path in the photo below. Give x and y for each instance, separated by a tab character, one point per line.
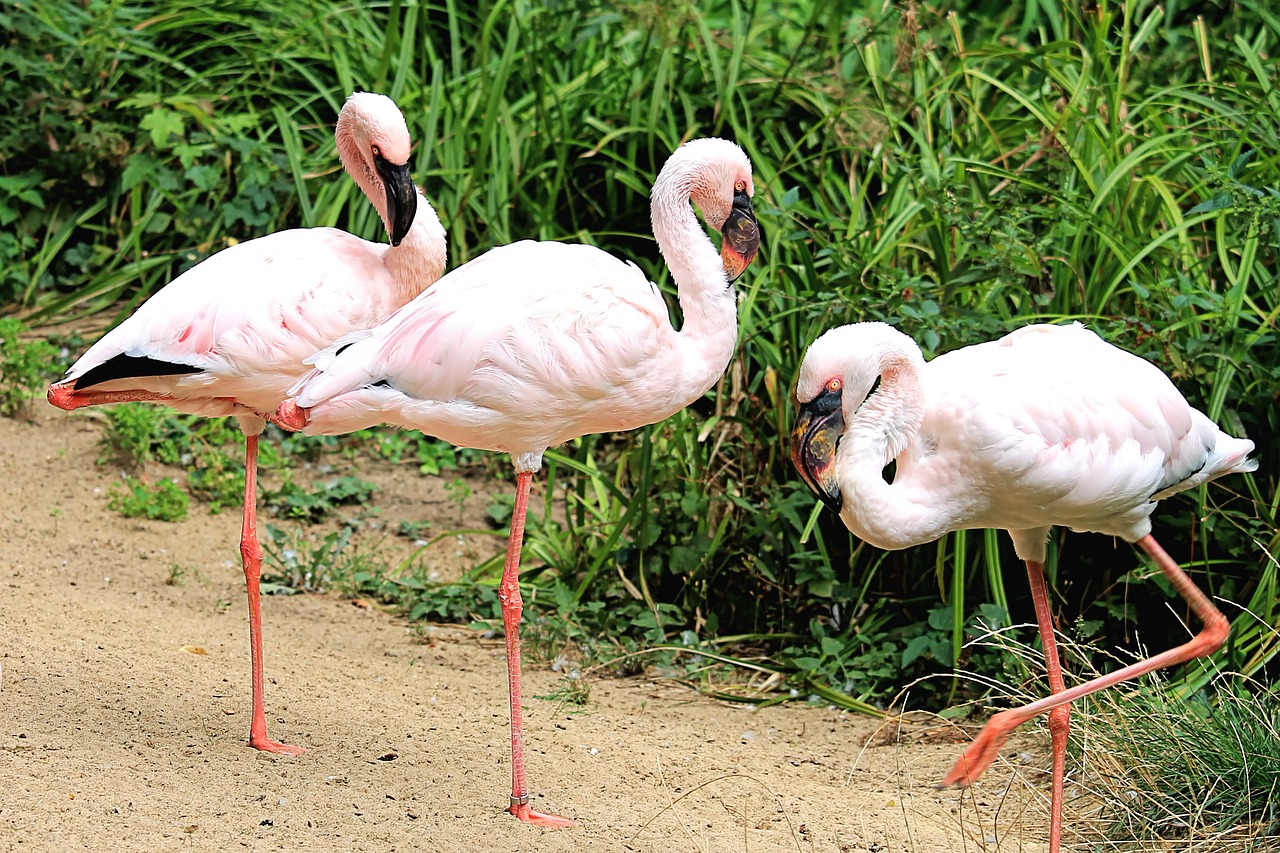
115	737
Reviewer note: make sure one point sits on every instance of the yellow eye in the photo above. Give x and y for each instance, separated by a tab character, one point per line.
740	186
834	385
377	152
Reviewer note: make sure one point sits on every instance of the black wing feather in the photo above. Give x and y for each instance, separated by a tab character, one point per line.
128	367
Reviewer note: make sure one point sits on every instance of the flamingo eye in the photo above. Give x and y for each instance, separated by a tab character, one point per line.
377	152
834	385
739	186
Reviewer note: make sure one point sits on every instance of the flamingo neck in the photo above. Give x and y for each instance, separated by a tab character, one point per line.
879	432
707	300
420	258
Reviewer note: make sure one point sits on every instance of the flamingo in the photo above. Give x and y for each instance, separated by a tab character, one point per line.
1049	425
228	336
536	343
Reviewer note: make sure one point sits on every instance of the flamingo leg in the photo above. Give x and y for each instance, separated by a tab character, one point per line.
987	745
512	606
251	555
1059	717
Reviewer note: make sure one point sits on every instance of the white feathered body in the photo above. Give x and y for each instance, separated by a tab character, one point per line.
248	316
1049	425
524	348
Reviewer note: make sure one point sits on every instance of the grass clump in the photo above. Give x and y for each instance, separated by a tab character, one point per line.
164	501
24	366
1202	772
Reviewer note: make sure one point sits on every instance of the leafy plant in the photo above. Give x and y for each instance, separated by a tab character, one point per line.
312	505
24	364
164	501
295	561
135	434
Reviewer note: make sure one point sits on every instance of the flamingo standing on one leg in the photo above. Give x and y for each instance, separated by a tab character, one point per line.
228	337
533	344
1048	425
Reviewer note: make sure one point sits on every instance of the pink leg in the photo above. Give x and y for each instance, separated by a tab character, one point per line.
251	554
1059	717
984	749
512	605
65	397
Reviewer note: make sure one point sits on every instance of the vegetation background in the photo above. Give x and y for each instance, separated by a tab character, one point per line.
955	169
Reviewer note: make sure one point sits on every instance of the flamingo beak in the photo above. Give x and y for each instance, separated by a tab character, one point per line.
814	439
741	235
402	196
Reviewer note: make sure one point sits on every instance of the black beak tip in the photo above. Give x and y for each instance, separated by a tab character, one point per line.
832	499
402	197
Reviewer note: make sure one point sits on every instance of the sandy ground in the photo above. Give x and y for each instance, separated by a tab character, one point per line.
117	735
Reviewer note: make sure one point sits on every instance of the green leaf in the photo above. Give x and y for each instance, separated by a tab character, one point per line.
917	647
163	123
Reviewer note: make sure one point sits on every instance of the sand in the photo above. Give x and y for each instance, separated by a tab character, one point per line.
124	709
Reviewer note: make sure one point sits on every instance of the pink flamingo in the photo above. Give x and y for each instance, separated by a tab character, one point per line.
533	344
1046	426
228	336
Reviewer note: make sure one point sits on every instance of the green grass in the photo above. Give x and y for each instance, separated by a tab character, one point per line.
954	174
163	501
1204	771
24	366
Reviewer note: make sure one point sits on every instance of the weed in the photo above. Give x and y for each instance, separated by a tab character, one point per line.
459	493
296	561
466	601
416	530
313	505
165	501
178	575
571	691
215	477
24	364
134	434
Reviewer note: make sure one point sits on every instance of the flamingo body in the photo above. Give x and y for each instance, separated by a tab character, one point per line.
535	343
244	320
1049	425
229	335
582	344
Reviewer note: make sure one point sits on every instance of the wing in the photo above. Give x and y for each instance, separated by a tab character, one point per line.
1052	425
240	323
522	325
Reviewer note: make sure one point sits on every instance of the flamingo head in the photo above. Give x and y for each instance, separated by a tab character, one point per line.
815	437
374	144
741	233
715	174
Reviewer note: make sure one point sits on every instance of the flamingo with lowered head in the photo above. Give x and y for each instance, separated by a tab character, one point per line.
1049	425
536	343
228	336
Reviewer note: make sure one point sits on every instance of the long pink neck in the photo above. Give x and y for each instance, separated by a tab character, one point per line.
420	258
709	333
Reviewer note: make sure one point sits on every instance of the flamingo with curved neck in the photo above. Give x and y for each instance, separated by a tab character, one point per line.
536	343
228	336
1046	426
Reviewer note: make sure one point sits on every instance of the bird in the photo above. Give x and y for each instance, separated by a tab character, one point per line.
1046	426
535	343
228	336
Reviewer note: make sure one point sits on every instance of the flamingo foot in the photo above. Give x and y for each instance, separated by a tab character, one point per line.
289	416
978	757
546	821
266	744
